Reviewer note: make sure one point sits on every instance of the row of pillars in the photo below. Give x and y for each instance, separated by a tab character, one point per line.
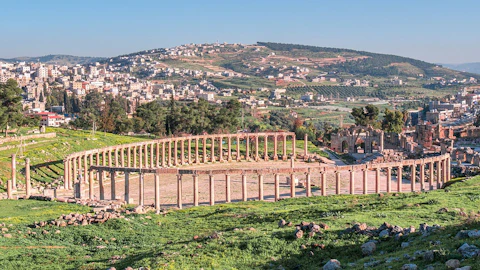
12	183
165	154
442	168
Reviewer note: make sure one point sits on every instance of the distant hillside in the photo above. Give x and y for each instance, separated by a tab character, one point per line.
58	59
372	64
466	67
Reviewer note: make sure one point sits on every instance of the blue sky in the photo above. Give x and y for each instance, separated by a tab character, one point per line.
435	31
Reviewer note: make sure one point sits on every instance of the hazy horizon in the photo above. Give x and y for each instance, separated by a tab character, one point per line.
437	32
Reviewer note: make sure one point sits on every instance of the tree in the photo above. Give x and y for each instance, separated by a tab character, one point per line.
366	116
153	118
11	107
393	121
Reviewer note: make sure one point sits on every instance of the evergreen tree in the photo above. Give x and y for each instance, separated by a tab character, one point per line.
11	107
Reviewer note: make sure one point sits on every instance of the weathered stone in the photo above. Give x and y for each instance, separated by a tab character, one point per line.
429	256
368	248
282	223
462	234
332	264
405	244
7	235
298	234
409	266
324	226
315	228
474	234
465	268
452	264
371	264
468	251
384	233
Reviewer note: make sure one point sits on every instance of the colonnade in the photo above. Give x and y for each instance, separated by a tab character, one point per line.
434	169
179	151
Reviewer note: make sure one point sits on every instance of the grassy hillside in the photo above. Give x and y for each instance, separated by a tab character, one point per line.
374	64
46	155
247	235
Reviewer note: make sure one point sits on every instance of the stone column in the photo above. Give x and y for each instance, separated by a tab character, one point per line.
157	192
116	157
277	186
75	172
101	186
169	153
127	187
257	157
389	179
260	187
247	148
145	155
140	156
227	188
157	153
244	187
195	189
449	169
175	152
229	138
9	189
28	184
399	178
439	175
85	169
365	181
182	152
239	156
265	148
220	149
212	150
275	147
14	172
122	157
112	184
163	154
308	184
305	146
197	159
337	182
151	156
430	173
134	157
204	150
211	180
413	176
284	147
129	156
292	185
179	190
444	171
377	180
141	189
352	181
80	176
323	179
91	191
189	151
66	174
422	176
294	149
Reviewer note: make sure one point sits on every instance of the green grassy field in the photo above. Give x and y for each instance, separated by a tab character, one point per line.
248	234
